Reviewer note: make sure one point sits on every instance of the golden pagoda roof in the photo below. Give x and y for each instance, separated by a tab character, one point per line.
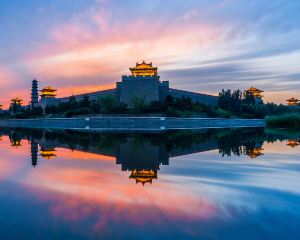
16	143
256	152
16	100
143	69
48	91
48	153
253	89
293	143
143	176
293	100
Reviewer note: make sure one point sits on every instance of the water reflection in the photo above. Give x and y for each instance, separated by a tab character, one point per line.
212	184
143	154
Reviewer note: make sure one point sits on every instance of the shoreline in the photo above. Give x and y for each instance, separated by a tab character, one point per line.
130	124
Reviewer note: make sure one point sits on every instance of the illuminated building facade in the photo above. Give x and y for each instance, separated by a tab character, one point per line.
256	94
143	83
143	69
48	97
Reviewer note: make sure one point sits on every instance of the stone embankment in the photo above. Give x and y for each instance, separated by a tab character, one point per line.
131	123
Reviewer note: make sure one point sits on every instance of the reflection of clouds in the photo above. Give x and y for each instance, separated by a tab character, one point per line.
13	166
199	194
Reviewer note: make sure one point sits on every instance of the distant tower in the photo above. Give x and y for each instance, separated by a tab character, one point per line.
292	102
256	94
48	97
34	93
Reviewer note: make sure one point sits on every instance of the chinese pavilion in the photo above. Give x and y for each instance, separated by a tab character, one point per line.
292	102
255	152
256	93
293	143
48	92
48	97
48	153
143	69
16	143
16	101
143	176
143	83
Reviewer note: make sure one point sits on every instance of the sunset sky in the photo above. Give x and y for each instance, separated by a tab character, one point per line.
200	45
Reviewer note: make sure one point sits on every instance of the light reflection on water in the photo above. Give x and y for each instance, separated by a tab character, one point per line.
214	184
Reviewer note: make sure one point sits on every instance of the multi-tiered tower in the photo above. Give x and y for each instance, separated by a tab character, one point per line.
143	84
256	94
48	97
34	94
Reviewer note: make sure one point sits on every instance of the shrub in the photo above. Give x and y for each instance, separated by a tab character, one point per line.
288	120
222	113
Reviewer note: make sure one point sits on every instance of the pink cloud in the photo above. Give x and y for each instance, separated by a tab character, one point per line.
75	50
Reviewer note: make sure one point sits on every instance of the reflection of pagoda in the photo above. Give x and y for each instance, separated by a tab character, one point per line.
141	158
48	153
143	176
293	143
255	152
256	94
34	153
16	143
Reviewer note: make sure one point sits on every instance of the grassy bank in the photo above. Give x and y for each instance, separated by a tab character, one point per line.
288	120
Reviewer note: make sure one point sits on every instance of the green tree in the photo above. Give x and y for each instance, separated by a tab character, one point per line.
85	101
108	103
138	104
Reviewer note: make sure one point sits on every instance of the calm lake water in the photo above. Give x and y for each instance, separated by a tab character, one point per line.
214	184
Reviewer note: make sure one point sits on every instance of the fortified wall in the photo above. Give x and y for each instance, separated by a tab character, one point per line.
143	83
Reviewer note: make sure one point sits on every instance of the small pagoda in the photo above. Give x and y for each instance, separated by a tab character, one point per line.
293	143
143	69
16	101
292	102
48	153
255	152
1	107
256	94
48	92
16	143
143	176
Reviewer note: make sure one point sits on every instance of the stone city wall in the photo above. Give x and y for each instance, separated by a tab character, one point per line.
92	95
196	97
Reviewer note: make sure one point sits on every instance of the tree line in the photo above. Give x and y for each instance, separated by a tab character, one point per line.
231	103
